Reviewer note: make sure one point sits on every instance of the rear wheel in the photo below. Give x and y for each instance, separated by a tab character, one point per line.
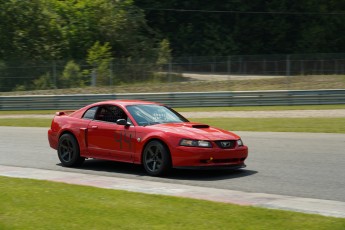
156	159
68	151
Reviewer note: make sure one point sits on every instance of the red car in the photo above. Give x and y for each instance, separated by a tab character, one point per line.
144	133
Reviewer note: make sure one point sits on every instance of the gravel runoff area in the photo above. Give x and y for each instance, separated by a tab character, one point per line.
236	114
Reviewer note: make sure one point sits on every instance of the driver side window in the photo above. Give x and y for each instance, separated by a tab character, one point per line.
110	113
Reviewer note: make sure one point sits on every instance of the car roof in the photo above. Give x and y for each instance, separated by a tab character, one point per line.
125	102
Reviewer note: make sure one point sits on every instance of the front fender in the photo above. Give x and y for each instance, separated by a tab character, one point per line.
147	135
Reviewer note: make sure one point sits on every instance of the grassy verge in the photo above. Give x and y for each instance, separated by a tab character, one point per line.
260	108
25	122
30	204
28	112
312	125
279	83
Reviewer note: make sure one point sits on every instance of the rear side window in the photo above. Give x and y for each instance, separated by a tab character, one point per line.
90	113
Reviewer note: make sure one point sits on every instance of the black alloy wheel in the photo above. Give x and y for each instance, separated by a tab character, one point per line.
156	159
68	151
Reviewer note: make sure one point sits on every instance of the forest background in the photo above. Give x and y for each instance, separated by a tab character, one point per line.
77	39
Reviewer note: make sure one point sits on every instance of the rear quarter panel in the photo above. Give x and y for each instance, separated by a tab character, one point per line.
66	124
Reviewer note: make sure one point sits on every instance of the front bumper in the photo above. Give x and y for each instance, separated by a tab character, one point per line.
209	157
214	167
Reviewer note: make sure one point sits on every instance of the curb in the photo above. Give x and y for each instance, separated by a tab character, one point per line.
305	205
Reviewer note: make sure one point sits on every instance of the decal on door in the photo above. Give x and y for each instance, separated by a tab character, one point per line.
123	138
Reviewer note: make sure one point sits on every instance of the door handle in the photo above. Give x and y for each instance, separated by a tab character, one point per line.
94	126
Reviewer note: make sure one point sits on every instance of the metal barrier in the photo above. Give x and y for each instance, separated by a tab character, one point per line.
181	99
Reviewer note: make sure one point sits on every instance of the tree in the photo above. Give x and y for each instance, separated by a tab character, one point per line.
164	53
216	28
190	32
42	30
72	76
25	31
99	57
43	82
83	22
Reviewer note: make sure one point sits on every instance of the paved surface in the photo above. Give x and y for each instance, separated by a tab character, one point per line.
307	166
314	206
225	77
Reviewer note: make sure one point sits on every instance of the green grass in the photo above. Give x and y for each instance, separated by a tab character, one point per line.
312	125
31	204
28	112
25	122
260	108
319	125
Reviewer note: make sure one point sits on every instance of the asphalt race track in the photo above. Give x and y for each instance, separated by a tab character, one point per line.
294	164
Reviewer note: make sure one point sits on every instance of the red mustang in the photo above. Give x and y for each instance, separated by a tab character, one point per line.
145	133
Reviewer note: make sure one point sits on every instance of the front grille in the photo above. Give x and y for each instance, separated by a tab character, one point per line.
222	161
232	160
226	144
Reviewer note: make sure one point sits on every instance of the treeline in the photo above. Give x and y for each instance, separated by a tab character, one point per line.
95	31
55	29
206	28
150	32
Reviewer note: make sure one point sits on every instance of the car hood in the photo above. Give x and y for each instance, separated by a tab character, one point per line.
196	131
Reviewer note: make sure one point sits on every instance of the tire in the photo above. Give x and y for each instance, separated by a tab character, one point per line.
156	159
68	151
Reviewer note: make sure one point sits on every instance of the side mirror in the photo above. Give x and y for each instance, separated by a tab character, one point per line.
122	122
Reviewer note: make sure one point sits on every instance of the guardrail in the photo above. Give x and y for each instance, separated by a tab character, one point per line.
181	99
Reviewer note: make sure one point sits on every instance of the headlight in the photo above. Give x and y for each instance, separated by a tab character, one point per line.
195	143
239	142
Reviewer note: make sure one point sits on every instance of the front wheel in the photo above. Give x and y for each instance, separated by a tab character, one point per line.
68	151
156	159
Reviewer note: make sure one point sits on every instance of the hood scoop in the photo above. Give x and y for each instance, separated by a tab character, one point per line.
198	126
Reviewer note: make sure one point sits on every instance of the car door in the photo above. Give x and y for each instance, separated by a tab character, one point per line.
125	141
109	140
100	138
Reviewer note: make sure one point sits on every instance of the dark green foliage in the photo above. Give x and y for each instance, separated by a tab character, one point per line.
147	33
249	27
32	32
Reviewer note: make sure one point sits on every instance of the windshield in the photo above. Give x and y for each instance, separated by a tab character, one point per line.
154	114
